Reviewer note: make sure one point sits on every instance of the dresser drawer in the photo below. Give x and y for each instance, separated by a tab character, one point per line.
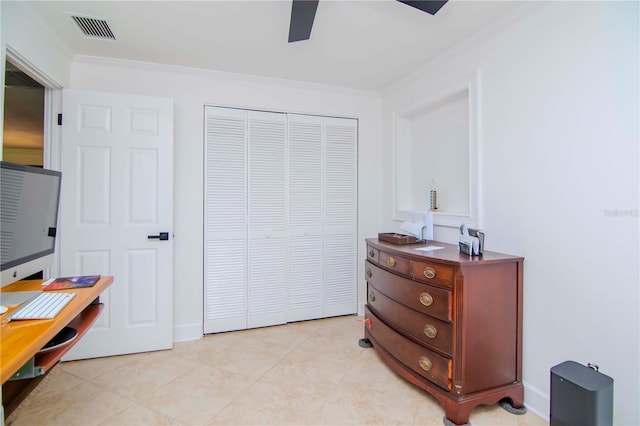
432	273
424	362
394	263
433	301
373	254
423	328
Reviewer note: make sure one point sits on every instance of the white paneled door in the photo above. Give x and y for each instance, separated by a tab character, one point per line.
116	206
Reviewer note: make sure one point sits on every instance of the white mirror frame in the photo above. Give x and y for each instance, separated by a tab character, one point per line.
401	124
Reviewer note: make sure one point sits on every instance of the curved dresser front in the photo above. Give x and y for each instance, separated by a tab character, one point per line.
447	322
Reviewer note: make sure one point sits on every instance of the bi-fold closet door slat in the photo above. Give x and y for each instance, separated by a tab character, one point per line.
266	262
299	212
306	212
340	221
225	239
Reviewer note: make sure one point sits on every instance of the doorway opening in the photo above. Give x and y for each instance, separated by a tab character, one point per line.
23	128
24	112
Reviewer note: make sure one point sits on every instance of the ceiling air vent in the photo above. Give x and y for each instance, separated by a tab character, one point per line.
94	27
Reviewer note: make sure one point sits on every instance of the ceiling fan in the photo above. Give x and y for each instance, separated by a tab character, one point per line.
303	13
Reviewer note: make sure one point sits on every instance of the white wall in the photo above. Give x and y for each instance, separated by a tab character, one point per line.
560	179
440	137
191	91
24	33
25	38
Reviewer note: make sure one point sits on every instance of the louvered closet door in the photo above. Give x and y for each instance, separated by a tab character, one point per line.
280	218
340	220
306	289
225	240
267	222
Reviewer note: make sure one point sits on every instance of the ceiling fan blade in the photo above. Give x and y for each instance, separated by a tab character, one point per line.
302	14
429	6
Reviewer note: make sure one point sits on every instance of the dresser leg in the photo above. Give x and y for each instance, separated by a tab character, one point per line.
456	413
365	343
448	422
507	405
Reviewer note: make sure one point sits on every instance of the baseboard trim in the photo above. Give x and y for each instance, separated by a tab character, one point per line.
187	332
536	400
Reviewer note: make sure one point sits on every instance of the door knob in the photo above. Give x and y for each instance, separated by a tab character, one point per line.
163	236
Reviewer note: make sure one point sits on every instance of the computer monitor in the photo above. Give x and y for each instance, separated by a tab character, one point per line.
29	198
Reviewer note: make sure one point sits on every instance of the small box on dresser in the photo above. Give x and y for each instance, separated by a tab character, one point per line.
448	322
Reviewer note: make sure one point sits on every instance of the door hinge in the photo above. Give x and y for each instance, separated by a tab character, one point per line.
59	119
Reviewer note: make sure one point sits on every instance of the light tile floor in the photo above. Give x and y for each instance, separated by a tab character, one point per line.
307	373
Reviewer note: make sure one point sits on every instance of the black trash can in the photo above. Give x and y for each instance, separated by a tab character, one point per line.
580	396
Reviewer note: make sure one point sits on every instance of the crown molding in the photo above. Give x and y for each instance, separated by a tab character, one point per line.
223	75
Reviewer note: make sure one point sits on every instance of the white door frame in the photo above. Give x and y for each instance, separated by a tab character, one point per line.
52	132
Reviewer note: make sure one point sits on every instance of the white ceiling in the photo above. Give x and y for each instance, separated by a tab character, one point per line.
357	44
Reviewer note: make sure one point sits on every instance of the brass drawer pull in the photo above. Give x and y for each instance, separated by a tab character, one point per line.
369	273
429	272
426	299
372	297
430	331
425	363
391	261
371	253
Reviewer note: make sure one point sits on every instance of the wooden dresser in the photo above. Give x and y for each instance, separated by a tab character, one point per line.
447	322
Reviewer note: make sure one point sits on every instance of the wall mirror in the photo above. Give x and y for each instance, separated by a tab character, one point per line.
436	142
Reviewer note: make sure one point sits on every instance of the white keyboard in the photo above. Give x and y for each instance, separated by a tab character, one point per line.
45	306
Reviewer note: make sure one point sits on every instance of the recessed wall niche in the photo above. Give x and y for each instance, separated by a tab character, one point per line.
436	143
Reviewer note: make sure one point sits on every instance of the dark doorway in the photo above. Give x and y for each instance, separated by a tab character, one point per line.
23	130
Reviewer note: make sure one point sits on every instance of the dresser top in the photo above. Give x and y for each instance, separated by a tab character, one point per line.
450	253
